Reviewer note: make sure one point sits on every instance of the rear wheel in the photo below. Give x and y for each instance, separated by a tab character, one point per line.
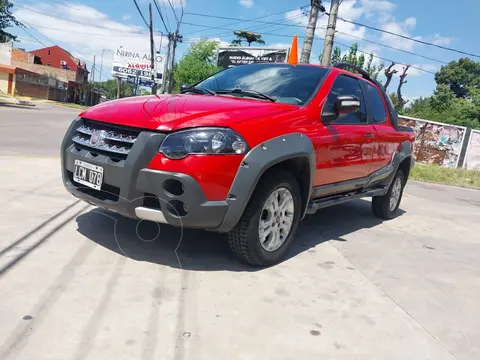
386	206
269	222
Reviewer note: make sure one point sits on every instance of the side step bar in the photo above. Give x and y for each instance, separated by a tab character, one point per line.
314	205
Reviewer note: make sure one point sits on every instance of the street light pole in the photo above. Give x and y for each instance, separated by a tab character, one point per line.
101	64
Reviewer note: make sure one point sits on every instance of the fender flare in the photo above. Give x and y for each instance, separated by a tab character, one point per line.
257	161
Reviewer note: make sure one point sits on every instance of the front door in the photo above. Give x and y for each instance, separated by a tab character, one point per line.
10	84
345	152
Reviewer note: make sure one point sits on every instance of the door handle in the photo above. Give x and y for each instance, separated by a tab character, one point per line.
370	135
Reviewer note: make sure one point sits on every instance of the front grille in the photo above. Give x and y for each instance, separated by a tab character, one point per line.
151	201
107	191
111	140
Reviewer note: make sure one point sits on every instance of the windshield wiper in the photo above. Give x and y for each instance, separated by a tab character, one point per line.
251	93
198	90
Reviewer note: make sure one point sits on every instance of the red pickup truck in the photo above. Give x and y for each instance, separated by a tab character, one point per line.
248	151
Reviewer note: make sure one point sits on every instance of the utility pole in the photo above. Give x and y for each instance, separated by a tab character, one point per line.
165	70
152	51
93	80
332	22
316	5
179	38
119	85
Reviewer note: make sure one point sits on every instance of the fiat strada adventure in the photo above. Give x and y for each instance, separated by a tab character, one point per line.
249	151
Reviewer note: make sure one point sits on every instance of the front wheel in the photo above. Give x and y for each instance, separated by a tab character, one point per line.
386	206
269	222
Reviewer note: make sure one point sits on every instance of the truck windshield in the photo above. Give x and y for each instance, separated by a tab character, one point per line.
285	83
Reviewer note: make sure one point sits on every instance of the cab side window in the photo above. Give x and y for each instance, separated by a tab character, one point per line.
346	85
379	115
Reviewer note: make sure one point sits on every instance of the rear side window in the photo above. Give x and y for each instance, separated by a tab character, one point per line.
379	114
346	85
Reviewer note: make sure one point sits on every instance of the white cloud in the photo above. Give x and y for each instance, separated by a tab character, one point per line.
401	28
85	32
440	40
374	6
280	45
246	3
126	17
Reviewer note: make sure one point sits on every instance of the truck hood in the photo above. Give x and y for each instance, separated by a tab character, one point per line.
173	112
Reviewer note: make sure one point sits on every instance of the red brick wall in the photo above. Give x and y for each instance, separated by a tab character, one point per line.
33	90
40	91
22	56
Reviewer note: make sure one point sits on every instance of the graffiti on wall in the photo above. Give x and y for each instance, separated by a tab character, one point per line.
436	143
472	157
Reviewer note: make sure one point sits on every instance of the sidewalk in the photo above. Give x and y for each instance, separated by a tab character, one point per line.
10	100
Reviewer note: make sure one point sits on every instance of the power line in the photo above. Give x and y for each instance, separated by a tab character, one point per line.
410	38
222	28
299	36
161	16
174	12
166	12
391	47
93	34
70	21
258	27
241	20
385	59
42	43
248	20
140	12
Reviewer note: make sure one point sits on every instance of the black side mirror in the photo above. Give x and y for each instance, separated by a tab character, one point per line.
185	87
347	104
344	104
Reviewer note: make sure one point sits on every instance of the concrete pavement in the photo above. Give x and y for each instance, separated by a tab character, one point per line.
78	283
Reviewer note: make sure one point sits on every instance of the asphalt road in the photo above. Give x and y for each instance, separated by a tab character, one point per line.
79	283
34	131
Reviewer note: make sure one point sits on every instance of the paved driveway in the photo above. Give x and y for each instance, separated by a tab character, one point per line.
79	283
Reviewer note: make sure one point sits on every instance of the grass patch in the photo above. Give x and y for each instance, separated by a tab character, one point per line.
444	175
70	105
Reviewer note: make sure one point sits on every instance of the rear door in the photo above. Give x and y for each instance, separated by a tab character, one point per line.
347	152
386	137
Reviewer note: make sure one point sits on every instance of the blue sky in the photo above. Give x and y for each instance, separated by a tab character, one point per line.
86	28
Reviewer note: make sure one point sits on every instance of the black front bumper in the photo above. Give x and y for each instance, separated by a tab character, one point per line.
130	189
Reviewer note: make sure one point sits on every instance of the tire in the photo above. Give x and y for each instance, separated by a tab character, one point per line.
245	240
381	205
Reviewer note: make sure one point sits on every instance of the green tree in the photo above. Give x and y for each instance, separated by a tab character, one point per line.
7	20
109	89
444	106
459	75
247	36
197	64
352	57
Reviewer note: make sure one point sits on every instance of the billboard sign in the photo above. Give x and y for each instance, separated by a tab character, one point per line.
233	56
131	63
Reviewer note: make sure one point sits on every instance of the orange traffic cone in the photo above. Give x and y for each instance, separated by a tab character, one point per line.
293	57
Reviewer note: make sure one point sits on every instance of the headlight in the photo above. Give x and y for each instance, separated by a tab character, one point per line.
208	141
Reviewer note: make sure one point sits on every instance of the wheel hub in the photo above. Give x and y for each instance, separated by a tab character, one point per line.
276	219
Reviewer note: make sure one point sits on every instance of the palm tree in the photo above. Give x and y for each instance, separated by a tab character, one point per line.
247	36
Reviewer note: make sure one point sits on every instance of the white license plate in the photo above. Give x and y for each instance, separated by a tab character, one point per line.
88	174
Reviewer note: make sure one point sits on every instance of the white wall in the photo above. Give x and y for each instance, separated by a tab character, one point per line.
6	53
3	83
